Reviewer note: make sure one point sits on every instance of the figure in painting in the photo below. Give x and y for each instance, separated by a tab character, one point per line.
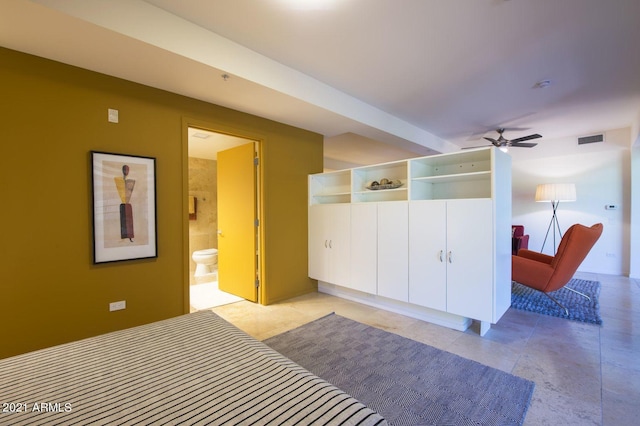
125	189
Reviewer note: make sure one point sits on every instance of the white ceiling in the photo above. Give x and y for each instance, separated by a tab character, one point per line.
421	76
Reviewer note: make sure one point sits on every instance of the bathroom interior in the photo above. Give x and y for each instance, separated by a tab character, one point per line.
203	213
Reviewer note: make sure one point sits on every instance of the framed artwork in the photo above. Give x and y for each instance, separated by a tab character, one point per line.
124	207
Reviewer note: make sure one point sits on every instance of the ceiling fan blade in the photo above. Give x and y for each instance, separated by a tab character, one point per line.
493	141
526	138
523	145
486	129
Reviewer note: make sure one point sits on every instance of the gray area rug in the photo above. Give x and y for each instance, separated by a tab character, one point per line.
407	382
580	308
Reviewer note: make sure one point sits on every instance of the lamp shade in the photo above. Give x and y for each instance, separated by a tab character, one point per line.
556	192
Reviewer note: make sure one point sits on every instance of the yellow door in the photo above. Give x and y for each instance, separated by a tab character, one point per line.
237	230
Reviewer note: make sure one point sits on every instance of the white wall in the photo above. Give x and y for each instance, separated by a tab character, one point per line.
634	269
602	174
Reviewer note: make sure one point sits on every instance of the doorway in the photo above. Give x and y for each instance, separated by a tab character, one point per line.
224	207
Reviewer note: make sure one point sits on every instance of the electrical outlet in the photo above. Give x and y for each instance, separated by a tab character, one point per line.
117	306
612	255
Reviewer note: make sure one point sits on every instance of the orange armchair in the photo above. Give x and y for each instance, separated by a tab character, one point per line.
550	273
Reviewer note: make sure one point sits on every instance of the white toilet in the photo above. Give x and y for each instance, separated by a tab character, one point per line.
206	261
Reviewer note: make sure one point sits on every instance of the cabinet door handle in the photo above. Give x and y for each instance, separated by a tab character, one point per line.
330	244
441	255
450	256
325	243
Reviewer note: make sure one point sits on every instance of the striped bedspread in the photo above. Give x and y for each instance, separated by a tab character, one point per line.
193	369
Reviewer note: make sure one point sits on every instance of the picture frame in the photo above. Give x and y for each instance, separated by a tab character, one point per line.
124	207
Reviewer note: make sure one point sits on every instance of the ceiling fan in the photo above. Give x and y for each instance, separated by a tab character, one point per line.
502	142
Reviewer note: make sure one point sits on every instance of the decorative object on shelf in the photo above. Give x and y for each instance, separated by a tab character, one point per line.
124	219
384	184
555	192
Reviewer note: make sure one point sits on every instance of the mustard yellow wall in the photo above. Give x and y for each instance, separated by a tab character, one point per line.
53	115
285	179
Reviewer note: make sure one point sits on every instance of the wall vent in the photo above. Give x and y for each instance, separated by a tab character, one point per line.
590	139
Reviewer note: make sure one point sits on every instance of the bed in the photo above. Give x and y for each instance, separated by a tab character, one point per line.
192	369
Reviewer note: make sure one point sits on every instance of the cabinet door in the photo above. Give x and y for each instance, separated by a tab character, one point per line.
427	254
470	258
393	250
329	243
364	247
338	225
318	243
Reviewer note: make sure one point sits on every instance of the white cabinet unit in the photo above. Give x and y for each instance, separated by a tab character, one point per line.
470	265
428	254
451	261
329	240
470	283
364	247
393	250
432	233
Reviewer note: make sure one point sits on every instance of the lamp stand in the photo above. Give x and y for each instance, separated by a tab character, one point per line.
556	227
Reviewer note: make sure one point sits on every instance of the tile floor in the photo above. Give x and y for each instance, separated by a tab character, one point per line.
207	295
584	374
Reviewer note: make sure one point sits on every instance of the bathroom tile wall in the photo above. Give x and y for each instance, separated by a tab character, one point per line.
203	186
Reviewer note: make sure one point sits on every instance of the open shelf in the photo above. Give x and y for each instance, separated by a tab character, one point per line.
451	176
394	172
332	187
451	164
459	175
397	194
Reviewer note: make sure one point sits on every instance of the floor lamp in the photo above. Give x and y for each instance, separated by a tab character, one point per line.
555	192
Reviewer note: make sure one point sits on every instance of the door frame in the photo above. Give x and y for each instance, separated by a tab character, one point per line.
259	140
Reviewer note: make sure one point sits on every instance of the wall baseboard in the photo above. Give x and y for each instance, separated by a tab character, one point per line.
433	316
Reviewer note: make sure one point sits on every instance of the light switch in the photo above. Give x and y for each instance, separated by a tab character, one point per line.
113	115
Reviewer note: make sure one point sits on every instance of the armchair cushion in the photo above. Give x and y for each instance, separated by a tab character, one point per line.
574	247
530	272
534	255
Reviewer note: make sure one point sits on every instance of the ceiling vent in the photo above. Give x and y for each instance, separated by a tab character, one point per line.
591	139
